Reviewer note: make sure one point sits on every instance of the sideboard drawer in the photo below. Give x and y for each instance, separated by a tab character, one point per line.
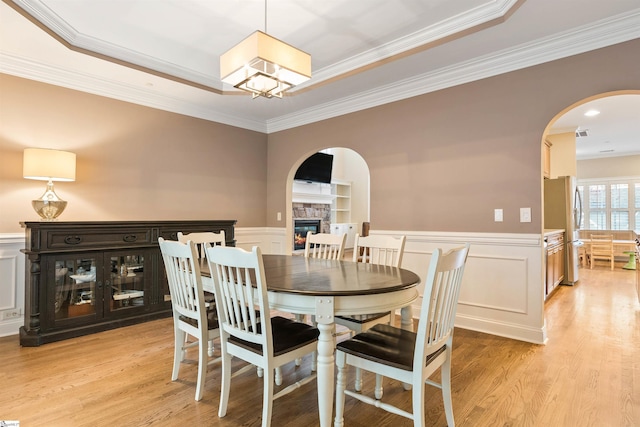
70	239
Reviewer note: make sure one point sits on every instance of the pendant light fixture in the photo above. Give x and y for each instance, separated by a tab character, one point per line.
264	65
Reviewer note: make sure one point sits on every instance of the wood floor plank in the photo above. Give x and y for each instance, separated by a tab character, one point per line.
588	374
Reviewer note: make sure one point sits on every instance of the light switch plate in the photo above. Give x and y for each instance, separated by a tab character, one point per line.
525	214
497	215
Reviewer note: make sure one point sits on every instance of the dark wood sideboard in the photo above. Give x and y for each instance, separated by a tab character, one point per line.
86	277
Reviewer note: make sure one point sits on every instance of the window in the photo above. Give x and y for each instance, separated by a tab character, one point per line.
597	206
610	204
619	206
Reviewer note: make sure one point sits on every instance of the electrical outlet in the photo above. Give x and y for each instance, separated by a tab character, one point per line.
11	314
497	215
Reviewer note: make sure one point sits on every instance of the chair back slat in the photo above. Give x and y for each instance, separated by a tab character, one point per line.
200	239
240	286
324	245
183	276
602	243
377	249
440	300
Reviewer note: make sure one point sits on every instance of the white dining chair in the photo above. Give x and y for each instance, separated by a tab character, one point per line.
189	312
325	245
250	334
409	357
380	250
200	239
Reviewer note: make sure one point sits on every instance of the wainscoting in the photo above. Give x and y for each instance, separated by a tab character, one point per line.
12	263
502	292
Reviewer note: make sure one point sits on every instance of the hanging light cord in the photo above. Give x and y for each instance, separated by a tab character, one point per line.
265	17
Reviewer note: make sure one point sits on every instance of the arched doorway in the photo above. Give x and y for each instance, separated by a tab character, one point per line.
344	203
594	139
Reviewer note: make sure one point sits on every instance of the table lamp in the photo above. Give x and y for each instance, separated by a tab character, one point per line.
49	165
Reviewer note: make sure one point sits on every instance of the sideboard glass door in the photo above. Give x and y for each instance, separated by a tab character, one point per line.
75	288
127	282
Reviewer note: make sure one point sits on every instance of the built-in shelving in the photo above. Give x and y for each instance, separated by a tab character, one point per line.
341	204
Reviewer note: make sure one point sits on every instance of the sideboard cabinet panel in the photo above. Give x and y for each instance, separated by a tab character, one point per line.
85	277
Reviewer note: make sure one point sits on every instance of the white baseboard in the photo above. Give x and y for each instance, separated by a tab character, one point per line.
517	332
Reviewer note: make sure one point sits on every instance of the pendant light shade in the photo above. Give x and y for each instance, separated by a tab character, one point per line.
264	66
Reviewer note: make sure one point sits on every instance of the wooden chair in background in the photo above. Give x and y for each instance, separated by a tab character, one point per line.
601	248
410	357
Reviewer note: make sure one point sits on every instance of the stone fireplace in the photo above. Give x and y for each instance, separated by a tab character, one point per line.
314	217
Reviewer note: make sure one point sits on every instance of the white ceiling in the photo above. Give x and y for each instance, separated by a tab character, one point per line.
164	53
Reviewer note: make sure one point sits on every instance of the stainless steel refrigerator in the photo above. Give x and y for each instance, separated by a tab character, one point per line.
563	209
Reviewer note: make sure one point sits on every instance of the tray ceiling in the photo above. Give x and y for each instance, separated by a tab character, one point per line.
165	53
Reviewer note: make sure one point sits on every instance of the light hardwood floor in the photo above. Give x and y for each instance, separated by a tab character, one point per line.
588	374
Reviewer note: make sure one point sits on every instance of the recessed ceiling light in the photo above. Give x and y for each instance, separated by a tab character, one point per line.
592	113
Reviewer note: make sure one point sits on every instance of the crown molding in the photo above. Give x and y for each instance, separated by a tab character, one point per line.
80	42
604	33
583	39
29	69
456	24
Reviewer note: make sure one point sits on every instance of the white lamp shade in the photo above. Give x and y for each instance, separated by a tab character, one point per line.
262	54
45	164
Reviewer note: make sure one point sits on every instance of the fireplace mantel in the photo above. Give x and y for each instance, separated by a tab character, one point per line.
311	192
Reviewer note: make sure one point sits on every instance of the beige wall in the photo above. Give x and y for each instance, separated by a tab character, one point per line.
609	167
133	162
438	162
563	154
444	160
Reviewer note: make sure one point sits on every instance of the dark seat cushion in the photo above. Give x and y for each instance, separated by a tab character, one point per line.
209	298
212	313
387	345
287	335
364	318
212	320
